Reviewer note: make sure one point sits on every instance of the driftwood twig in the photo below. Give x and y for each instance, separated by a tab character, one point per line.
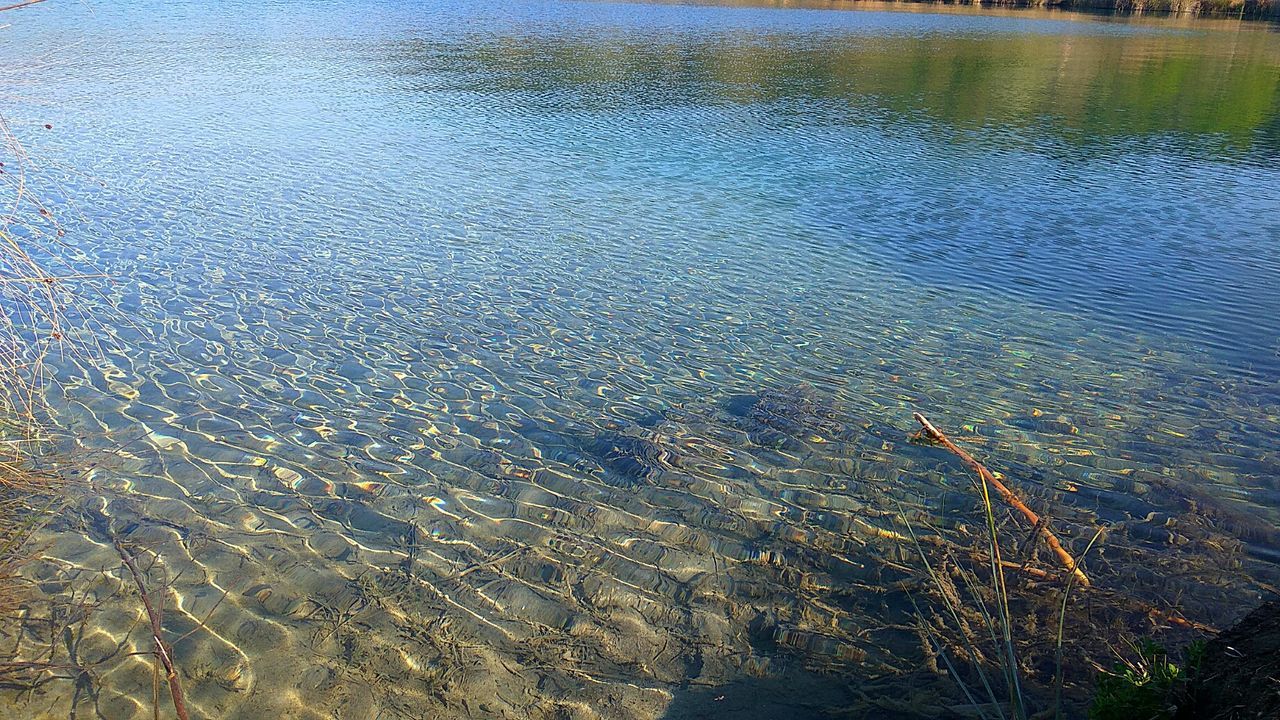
933	433
17	5
163	650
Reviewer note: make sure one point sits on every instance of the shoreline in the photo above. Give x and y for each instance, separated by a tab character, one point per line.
1264	10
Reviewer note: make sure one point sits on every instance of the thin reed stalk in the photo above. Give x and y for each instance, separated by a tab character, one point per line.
953	612
1062	619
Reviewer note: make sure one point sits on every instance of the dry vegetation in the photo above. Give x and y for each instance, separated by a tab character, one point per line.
34	300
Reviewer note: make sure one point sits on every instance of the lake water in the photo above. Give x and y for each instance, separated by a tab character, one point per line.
557	359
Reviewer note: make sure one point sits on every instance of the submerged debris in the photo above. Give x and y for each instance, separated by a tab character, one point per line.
1262	539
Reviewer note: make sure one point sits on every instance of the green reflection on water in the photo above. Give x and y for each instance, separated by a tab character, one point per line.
476	421
1089	85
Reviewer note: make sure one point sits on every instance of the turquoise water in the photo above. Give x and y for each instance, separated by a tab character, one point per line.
547	359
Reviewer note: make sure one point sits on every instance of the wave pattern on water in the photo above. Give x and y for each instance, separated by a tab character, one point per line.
557	360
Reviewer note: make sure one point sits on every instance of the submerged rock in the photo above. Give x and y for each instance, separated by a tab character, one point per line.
794	411
1045	426
632	458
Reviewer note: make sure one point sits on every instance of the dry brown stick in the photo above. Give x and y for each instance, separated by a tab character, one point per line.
15	6
163	651
985	475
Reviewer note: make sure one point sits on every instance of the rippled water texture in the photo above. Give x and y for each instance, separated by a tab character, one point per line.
557	360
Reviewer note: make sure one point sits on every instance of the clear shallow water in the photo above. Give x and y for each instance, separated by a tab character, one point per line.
460	343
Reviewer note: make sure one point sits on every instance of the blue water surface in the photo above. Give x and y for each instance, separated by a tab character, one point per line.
639	299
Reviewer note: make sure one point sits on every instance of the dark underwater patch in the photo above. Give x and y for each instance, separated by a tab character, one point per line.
630	458
775	417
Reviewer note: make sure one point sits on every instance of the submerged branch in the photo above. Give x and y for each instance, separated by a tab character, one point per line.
163	650
933	433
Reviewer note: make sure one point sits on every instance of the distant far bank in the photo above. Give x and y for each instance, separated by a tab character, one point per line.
1216	8
1248	9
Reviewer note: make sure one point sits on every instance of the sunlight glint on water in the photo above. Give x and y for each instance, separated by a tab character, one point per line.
558	359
